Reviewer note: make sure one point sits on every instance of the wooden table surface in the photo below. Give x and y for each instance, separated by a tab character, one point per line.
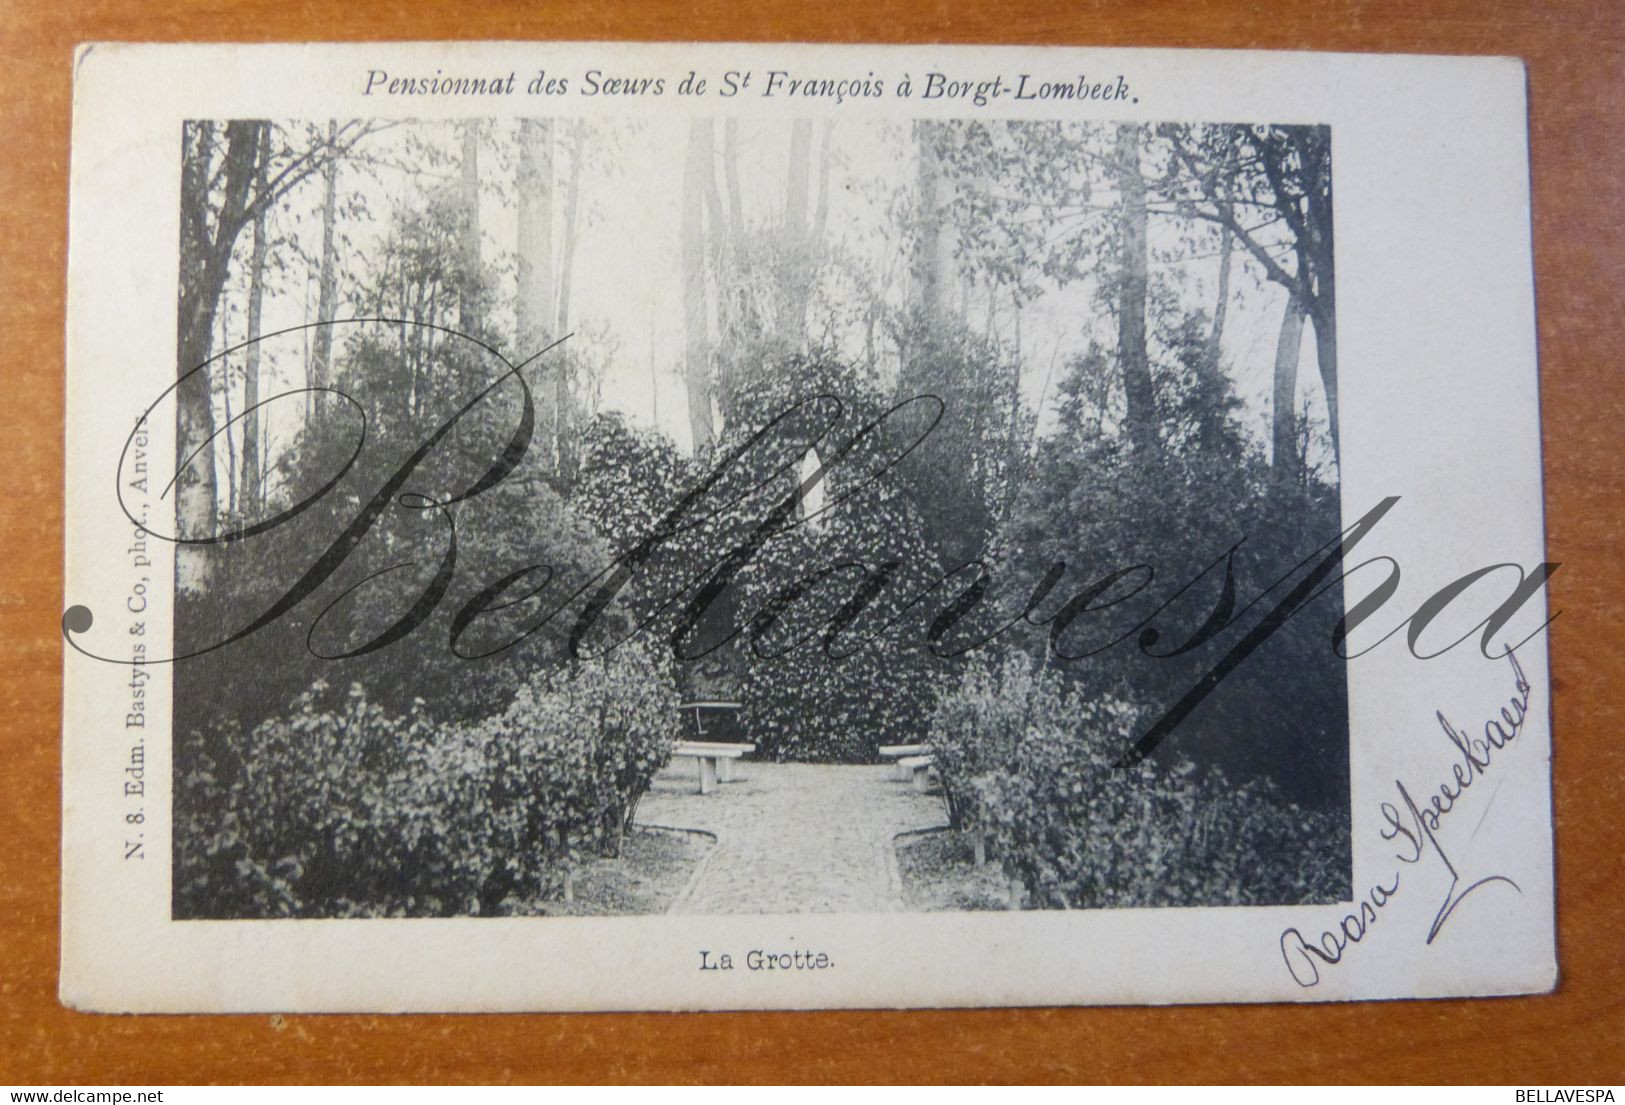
1576	57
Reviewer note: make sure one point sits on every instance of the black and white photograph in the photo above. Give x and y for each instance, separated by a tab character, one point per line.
586	516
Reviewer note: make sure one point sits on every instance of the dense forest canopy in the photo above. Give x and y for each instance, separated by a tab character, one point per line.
820	235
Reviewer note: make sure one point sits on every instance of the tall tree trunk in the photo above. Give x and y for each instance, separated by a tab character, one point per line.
812	242
1015	453
305	354
206	250
470	309
1323	311
225	396
696	352
195	489
821	211
925	268
1215	336
327	286
205	260
1212	417
1284	415
572	207
535	233
249	495
926	263
731	293
730	167
735	309
1133	358
790	327
534	283
569	450
1325	323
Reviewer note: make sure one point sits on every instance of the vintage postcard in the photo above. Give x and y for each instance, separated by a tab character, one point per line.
605	526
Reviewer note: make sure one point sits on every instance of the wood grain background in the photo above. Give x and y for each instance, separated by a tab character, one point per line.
1576	57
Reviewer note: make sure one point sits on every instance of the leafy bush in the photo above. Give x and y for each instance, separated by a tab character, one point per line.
1033	768
569	761
977	728
217	872
350	811
347	811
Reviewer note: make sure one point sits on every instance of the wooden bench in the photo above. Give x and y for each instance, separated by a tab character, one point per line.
918	768
716	760
900	752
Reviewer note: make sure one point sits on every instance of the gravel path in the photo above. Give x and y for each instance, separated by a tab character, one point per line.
793	838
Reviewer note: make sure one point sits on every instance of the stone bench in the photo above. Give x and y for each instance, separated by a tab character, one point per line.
899	752
716	760
917	768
